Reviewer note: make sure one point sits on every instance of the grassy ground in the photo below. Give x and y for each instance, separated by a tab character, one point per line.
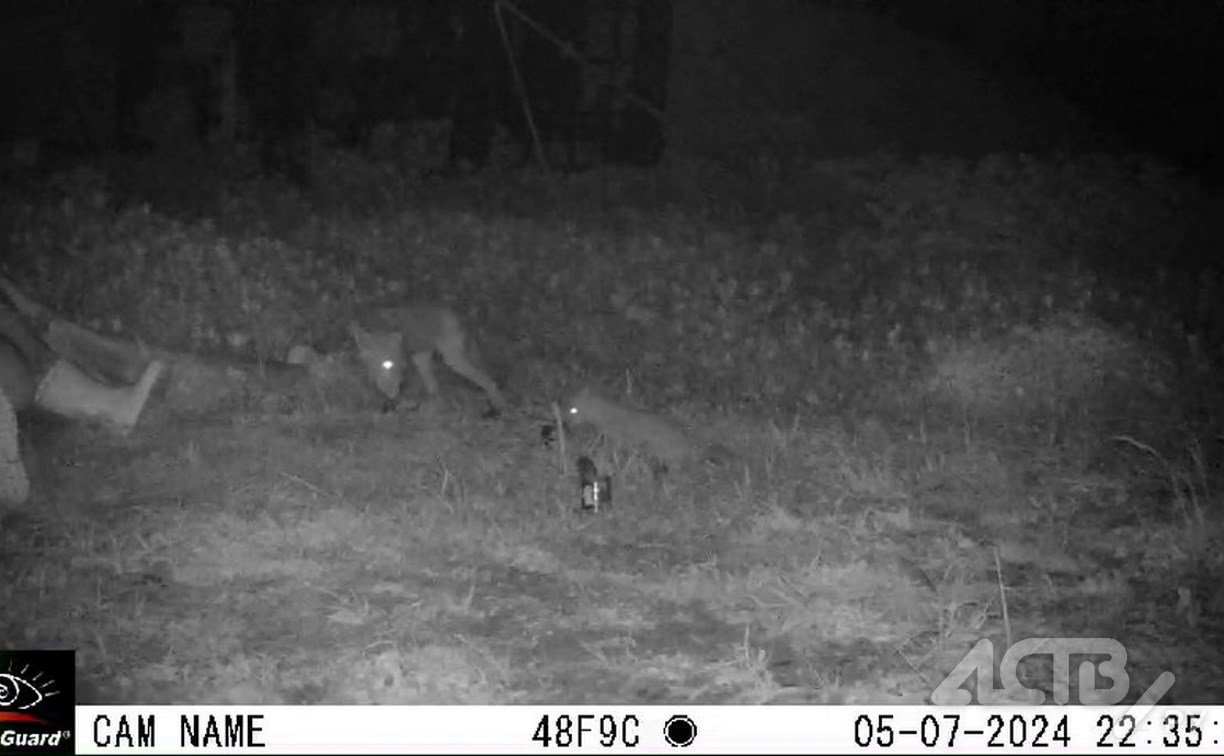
936	442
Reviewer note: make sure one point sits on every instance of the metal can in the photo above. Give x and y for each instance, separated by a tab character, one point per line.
596	489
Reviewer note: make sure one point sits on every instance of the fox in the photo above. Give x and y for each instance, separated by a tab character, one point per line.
419	331
665	443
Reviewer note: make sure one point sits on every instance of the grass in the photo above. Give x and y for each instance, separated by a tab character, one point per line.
937	440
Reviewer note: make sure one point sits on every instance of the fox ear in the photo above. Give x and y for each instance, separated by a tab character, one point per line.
355	330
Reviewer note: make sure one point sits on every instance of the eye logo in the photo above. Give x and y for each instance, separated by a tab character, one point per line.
19	692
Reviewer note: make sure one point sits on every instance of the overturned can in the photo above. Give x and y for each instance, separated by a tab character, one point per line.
596	489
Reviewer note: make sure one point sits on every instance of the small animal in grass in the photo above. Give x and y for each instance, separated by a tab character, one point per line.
387	338
663	442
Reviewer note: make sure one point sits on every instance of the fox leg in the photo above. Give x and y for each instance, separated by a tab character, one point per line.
424	367
456	359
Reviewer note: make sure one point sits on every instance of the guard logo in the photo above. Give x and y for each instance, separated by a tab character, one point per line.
37	702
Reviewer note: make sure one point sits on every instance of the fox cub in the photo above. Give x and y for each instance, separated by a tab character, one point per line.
418	331
662	441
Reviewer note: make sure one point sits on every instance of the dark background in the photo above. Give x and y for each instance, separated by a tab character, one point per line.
105	76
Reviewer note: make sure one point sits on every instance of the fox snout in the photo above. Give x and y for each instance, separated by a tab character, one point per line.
389	379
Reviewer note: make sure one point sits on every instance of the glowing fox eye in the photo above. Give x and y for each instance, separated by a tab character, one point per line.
387	364
573	410
13	688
